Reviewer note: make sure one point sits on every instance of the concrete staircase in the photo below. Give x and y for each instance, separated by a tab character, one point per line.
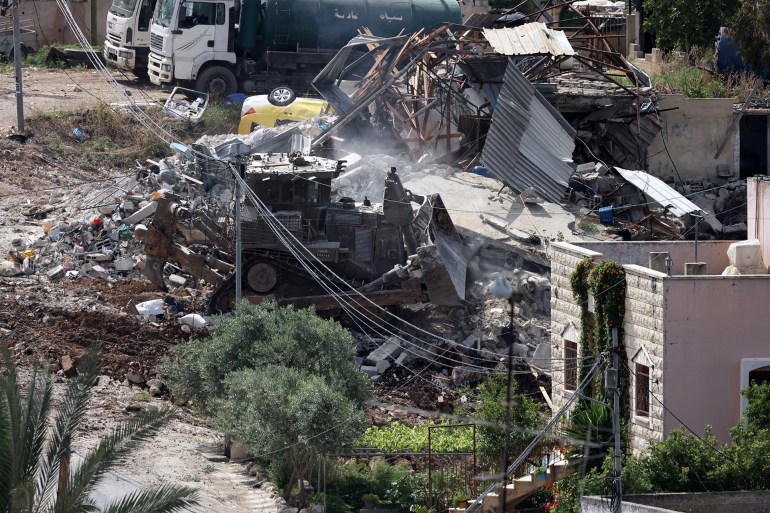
521	488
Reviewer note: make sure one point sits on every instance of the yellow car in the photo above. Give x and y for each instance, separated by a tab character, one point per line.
277	108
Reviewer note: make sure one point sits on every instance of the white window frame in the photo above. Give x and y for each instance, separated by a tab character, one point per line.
643	358
748	365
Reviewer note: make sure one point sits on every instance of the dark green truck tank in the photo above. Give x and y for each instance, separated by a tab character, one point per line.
292	24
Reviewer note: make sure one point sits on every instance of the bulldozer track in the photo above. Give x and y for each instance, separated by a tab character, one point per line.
223	297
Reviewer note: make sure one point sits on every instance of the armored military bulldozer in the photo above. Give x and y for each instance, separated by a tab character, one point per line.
303	247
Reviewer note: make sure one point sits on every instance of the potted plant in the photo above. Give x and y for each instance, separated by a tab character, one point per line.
370	500
461	501
540	474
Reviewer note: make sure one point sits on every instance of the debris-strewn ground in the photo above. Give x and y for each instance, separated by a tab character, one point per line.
53	184
49	90
42	321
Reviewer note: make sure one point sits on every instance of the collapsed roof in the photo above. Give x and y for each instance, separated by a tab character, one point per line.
451	92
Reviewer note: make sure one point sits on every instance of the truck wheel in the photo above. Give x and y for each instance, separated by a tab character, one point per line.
281	96
262	277
218	81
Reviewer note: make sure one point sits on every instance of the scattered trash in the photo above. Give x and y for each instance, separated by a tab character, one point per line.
186	104
194	320
147	308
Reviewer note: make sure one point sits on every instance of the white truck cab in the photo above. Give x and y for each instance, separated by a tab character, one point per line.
189	43
128	33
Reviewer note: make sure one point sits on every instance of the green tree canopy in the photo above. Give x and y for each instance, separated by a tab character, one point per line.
751	29
488	405
684	24
35	472
278	379
263	335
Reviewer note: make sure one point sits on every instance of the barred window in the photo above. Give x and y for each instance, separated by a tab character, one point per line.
642	390
570	365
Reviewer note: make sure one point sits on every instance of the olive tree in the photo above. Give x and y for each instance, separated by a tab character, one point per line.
279	380
685	24
751	29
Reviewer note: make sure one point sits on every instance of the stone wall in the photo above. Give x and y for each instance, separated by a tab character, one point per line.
645	309
643	325
692	132
51	27
593	504
564	310
712	502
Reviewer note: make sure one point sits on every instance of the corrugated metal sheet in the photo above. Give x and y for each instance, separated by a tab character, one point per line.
529	39
326	81
659	192
529	143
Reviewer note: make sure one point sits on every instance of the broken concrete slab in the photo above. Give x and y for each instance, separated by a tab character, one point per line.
369	370
56	273
143	213
389	350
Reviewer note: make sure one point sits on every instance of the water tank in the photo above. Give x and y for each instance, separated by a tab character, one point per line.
289	24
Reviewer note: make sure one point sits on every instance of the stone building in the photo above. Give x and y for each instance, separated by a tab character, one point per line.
694	337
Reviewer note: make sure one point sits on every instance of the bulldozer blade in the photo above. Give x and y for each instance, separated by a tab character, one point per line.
444	269
443	263
153	270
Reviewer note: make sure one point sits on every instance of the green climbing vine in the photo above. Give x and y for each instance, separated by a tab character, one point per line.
580	290
605	282
608	287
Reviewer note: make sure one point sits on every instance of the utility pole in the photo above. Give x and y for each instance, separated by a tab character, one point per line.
94	37
238	261
617	482
507	430
697	222
17	61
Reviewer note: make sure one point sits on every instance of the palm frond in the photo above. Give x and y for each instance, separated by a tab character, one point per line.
24	424
163	499
110	451
6	456
70	415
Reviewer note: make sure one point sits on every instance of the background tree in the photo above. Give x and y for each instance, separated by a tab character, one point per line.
36	476
488	405
751	29
278	379
684	24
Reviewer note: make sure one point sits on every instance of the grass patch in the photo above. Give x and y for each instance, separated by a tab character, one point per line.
588	227
687	75
692	82
38	58
114	139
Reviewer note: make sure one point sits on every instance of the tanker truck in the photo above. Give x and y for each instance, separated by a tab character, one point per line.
219	46
128	34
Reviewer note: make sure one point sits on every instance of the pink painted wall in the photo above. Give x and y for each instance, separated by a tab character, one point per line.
713	252
711	323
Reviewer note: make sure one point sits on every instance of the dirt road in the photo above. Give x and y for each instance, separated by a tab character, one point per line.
48	90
